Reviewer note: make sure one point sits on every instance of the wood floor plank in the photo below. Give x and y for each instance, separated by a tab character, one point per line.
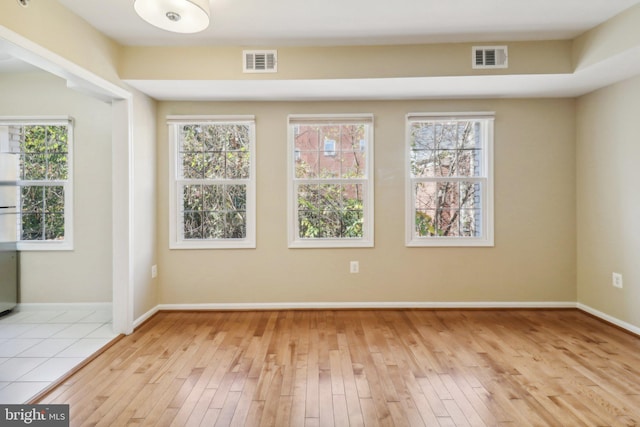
362	367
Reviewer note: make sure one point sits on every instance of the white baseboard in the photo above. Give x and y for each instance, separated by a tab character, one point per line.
383	305
140	320
620	323
45	306
363	305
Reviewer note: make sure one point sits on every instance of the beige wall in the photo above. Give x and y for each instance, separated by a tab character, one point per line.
613	37
84	274
608	201
340	62
534	255
145	195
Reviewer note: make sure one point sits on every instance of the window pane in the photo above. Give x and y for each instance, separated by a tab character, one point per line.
32	226
54	199
470	195
445	135
218	155
213	197
57	140
425	222
213	139
193	165
236	225
215	211
193	225
441	149
44	153
192	199
33	167
353	164
237	136
328	160
307	165
329	165
447	195
32	199
422	163
330	211
422	136
447	209
449	149
238	164
191	138
54	226
214	227
306	138
216	164
35	139
470	221
469	135
57	169
42	213
425	195
44	156
236	197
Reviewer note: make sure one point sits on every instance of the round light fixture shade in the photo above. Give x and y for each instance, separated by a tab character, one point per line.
178	16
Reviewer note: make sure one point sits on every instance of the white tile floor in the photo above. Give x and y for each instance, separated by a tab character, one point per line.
37	347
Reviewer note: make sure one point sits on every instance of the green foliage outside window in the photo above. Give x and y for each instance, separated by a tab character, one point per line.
219	152
43	158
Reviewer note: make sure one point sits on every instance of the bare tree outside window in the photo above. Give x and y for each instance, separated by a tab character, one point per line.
447	177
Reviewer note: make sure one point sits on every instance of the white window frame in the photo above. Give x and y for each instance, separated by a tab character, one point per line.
367	239
486	239
67	243
176	226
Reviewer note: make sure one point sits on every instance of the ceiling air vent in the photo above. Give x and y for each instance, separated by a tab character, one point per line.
260	61
490	57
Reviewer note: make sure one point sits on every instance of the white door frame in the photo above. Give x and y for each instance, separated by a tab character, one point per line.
121	100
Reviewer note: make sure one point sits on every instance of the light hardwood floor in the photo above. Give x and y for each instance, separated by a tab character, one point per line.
369	367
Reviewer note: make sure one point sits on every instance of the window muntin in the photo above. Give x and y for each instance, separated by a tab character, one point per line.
331	187
213	185
449	184
38	158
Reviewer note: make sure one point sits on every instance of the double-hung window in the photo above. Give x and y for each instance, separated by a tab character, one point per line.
212	169
330	181
37	191
449	179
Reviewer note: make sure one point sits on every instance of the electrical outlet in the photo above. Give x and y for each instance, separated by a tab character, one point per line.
616	280
154	271
354	267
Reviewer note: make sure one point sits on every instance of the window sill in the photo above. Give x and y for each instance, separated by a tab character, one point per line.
210	244
329	243
435	242
44	246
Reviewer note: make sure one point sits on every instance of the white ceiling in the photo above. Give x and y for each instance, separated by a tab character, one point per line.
340	22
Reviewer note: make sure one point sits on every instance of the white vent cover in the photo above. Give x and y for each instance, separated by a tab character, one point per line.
259	61
489	57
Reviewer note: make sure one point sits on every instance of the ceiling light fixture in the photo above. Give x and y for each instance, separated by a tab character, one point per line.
178	16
